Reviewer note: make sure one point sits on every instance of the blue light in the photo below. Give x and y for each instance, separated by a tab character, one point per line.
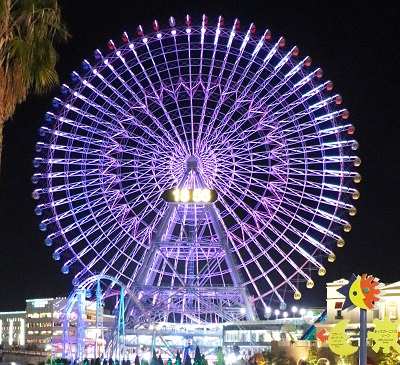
48	241
56	256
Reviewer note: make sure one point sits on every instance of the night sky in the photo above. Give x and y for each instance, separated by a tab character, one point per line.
358	47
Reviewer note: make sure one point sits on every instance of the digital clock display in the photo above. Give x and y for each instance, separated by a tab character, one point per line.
190	196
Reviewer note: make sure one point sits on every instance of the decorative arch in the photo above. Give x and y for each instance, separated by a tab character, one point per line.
323	361
301	361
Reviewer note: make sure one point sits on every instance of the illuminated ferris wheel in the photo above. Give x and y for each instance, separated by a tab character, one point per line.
206	167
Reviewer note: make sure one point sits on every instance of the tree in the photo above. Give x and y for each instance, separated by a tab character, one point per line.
220	356
153	360
390	358
281	359
203	360
312	358
270	357
188	360
137	360
178	360
29	30
346	360
197	356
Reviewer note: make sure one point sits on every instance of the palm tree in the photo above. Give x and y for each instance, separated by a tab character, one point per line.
29	30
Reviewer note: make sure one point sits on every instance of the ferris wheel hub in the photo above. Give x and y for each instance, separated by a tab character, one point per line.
192	162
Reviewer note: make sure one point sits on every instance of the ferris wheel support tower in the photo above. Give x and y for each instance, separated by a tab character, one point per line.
204	301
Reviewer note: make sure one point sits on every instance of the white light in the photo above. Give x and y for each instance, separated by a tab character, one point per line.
267	310
146	356
95	71
145	40
231	358
242	310
159	35
276	312
302	311
203	30
188	30
10	333
131	46
106	61
285	314
118	53
173	31
84	82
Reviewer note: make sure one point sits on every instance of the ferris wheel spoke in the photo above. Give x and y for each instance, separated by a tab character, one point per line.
239	98
174	97
243	95
143	106
277	104
207	92
272	262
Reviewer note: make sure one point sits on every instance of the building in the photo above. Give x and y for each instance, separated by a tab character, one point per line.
12	328
40	326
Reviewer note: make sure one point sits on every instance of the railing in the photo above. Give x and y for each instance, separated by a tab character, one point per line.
25	352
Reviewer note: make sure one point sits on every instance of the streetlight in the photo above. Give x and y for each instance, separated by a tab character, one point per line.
285	314
276	313
302	312
294	311
267	313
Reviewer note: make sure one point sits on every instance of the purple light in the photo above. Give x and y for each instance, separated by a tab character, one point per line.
241	115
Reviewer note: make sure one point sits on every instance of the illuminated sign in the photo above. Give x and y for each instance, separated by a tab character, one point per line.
198	196
40	303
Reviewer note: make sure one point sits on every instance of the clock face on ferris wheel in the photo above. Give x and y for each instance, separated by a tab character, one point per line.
200	195
273	143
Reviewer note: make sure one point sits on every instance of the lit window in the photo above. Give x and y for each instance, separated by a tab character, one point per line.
392	310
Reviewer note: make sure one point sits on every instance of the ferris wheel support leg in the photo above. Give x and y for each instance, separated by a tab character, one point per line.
142	276
80	325
99	322
64	337
250	315
120	347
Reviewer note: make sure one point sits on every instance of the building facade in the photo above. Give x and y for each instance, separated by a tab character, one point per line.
12	328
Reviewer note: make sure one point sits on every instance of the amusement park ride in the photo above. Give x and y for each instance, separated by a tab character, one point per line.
194	173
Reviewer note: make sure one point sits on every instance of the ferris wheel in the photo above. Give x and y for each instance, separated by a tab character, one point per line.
204	165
